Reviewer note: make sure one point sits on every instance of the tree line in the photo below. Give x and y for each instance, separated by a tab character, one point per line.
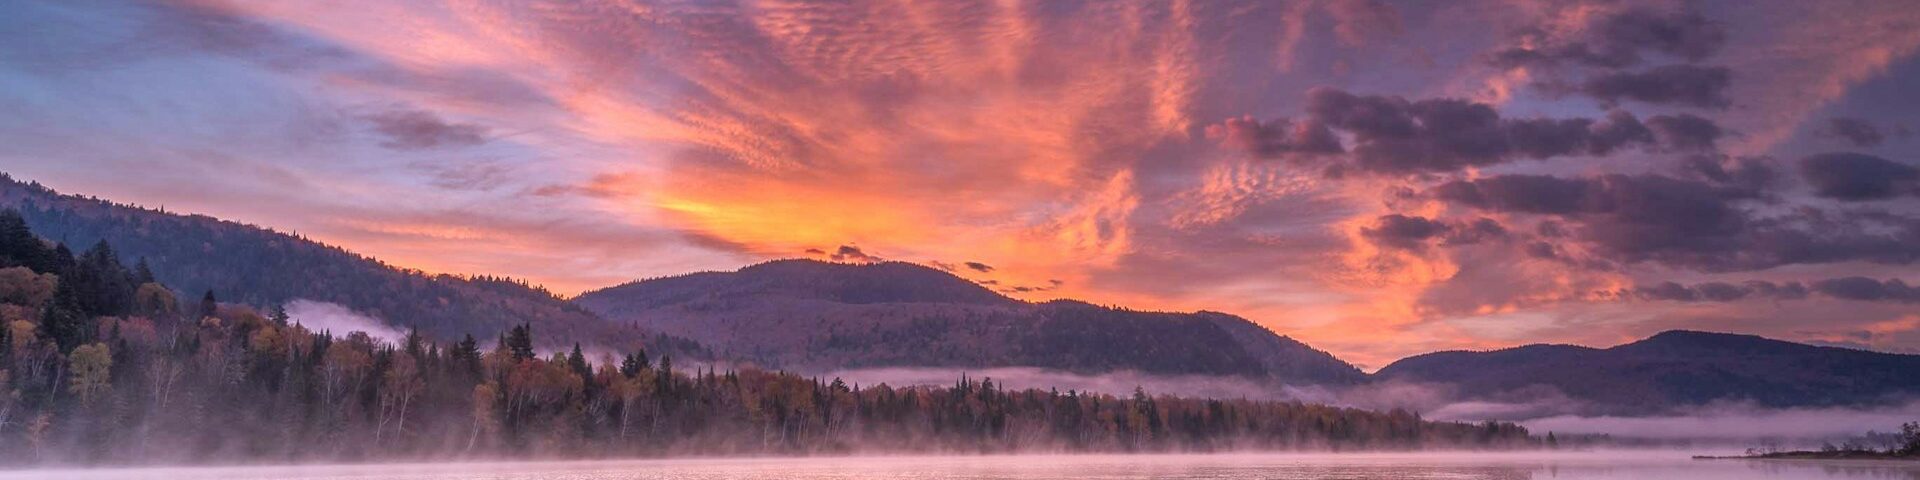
101	364
253	265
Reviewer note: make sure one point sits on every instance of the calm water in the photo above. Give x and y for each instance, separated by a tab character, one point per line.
1640	465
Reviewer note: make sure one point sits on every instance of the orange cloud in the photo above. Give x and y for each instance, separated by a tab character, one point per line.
1051	140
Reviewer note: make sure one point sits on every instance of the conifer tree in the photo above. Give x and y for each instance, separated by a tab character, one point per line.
19	247
520	342
578	362
142	274
279	315
63	321
634	363
208	305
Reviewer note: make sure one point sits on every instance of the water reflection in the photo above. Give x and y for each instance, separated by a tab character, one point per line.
1464	466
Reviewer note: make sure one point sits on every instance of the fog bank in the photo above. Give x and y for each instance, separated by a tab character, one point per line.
1739	422
323	316
1540	410
1115	383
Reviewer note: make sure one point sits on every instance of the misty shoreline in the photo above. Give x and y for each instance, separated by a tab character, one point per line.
1438	456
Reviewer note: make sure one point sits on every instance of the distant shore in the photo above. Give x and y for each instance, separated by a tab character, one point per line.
1814	455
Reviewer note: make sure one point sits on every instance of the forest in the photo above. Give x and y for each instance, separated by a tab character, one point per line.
253	265
102	365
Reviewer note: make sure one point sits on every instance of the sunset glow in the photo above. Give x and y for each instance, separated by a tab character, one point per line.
1375	179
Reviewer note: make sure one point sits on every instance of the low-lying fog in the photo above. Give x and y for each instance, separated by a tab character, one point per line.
1726	424
1607	465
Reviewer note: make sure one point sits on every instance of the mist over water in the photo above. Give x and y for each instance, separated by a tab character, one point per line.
1458	466
1739	422
1730	423
1116	383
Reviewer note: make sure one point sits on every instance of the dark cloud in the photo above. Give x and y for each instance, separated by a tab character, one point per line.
1847	288
1855	130
1394	135
1718	291
943	266
1684	85
1050	286
189	27
1416	233
479	175
1403	232
1546	138
1538	194
979	267
1753	174
1356	21
1619	40
1620	129
1867	289
1277	138
1689	223
1686	132
1856	177
418	129
849	253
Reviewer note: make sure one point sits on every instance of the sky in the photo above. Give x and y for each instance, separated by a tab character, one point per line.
1377	179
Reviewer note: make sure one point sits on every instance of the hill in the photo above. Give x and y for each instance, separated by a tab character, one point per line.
252	265
1674	369
816	316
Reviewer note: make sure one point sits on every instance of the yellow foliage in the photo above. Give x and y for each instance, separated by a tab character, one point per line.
483	399
23	333
268	341
154	300
92	370
20	286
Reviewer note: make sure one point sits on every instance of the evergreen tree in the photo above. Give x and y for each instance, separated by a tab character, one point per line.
520	342
6	348
63	321
1909	440
414	345
279	315
105	287
467	354
208	305
19	247
578	363
634	363
62	262
142	274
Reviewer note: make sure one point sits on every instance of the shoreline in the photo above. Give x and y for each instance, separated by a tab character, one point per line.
1814	455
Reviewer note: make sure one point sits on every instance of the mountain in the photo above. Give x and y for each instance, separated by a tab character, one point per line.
818	316
256	266
1673	369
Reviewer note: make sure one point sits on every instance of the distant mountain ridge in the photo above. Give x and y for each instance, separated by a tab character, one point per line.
1674	368
807	314
818	316
252	265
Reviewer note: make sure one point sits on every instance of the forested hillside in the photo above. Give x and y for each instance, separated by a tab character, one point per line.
102	365
818	316
1675	369
261	267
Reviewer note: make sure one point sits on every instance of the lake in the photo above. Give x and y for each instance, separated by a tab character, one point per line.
1451	466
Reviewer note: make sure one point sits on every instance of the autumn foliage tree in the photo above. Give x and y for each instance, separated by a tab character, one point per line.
137	379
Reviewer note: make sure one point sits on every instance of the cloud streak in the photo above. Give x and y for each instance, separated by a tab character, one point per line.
1176	156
